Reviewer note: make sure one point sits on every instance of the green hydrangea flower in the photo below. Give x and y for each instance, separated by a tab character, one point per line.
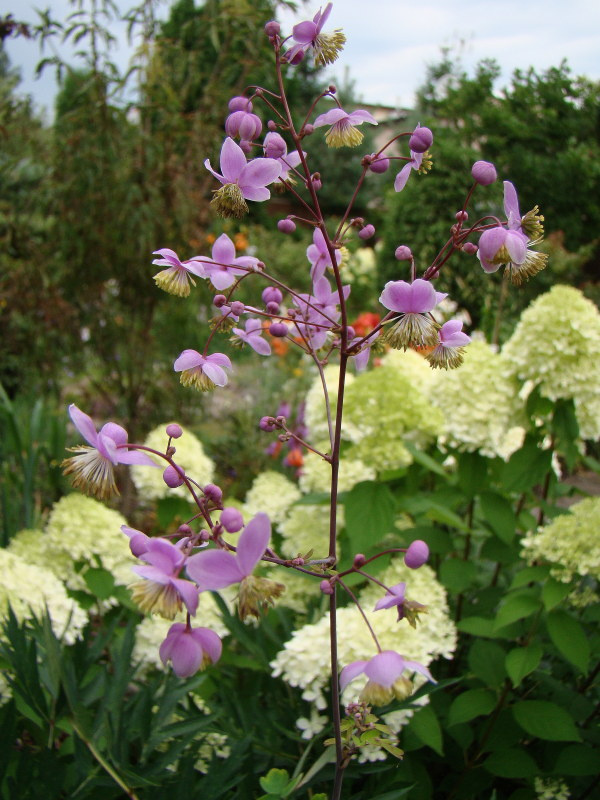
272	493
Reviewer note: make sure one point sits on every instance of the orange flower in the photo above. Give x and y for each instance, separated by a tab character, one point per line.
365	323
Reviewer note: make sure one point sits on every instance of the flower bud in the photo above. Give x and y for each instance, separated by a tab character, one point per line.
173	477
380	165
219	300
232	520
316	181
421	139
416	555
237	308
350	332
213	493
267	424
286	225
462	216
272	295
272	29
245	146
359	561
278	329
367	232
239	103
308	129
204	536
174	430
272	125
326	587
483	172
272	308
274	145
403	253
184	529
470	248
332	88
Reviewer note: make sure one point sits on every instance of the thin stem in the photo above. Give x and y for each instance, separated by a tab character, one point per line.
104	764
362	613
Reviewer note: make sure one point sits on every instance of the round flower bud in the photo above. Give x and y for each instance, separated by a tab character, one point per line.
272	308
308	129
174	430
213	492
219	300
380	165
317	182
326	587
332	89
173	477
483	172
421	140
470	248
267	424
272	29
232	520
462	216
272	295
237	307
286	225
184	529
204	536
278	329
272	125
239	103
366	232
350	332
245	146
359	560
403	253
274	145
416	555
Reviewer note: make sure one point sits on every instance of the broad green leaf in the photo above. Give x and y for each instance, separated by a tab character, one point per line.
554	592
545	720
477	626
522	660
526	467
569	638
472	473
439	513
426	461
100	582
511	763
529	575
170	508
516	606
577	759
275	781
566	430
457	574
426	727
370	510
470	704
499	515
486	661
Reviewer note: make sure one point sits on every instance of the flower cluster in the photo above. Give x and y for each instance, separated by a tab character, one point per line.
272	493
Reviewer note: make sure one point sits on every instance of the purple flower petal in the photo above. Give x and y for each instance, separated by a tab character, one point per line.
223	250
188	360
511	205
253	542
214	569
256	193
396	296
350	672
423	296
304	32
114	432
330	117
186	655
385	668
209	641
220	359
84	424
360	115
259	345
188	593
220	178
420	668
232	160
135	457
215	373
259	173
221	278
402	177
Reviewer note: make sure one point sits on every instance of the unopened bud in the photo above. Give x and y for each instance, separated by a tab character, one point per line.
184	529
332	89
421	139
350	332
470	248
286	225
272	29
403	253
239	103
462	216
213	492
416	555
174	430
231	519
308	129
237	307
326	587
245	146
379	164
267	424
272	308
272	295
171	451
204	536
316	182
483	172
219	300
274	145
367	232
278	329
359	561
173	477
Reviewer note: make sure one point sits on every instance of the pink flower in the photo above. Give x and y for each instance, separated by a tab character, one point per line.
343	132
176	278
449	352
407	609
189	649
414	301
162	591
327	46
241	180
138	541
222	269
384	672
93	467
319	257
252	337
202	372
361	359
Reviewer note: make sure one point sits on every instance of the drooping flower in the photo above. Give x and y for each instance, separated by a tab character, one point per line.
93	467
420	162
241	180
176	278
216	569
343	131
361	359
384	672
275	147
223	268
189	649
319	312
449	352
319	257
327	46
204	373
407	609
138	541
252	337
414	302
162	590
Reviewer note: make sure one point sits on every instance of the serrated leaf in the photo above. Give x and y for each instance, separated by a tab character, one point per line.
426	727
275	781
370	510
511	763
499	515
569	638
545	720
470	704
521	661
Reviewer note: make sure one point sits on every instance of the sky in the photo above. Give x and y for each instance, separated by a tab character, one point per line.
390	42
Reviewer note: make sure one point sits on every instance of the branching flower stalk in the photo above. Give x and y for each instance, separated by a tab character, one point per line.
177	568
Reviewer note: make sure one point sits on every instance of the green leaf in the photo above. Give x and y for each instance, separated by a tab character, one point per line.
569	638
499	515
521	661
566	430
472	473
470	704
576	759
426	461
169	509
457	574
426	727
529	575
370	511
554	592
516	606
100	582
545	720
486	661
511	763
439	513
275	781
477	626
526	467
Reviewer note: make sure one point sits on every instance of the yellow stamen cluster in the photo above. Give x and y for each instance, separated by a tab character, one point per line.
156	598
532	224
343	134
426	163
228	201
255	594
174	281
446	357
377	695
534	263
195	378
412	330
92	472
328	46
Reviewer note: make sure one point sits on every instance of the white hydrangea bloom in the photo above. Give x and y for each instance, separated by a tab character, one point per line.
480	404
551	789
570	542
189	454
307	528
413	366
30	588
556	345
304	660
312	726
272	493
316	472
80	533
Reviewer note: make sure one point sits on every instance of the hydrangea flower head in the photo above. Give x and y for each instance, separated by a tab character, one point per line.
449	351
223	268
189	649
241	180
343	131
204	373
413	301
384	672
93	467
162	590
177	276
327	46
